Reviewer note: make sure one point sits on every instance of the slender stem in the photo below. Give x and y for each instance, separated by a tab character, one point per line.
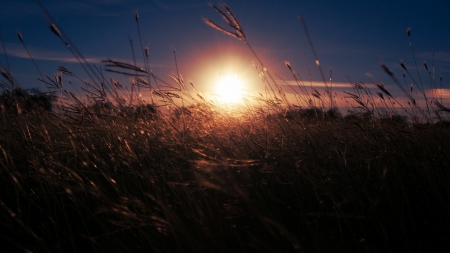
147	67
268	73
31	58
6	58
315	55
72	48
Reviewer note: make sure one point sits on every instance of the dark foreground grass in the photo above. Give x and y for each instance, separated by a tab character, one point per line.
226	184
113	174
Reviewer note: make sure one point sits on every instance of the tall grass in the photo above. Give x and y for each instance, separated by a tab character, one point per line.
112	173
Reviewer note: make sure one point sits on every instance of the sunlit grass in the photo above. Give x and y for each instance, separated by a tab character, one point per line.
112	173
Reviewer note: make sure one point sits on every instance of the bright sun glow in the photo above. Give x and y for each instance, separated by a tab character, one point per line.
229	89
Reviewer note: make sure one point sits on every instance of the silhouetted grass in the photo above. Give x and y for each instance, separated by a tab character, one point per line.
116	174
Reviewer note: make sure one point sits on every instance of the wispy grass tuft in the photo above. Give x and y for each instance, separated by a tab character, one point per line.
106	171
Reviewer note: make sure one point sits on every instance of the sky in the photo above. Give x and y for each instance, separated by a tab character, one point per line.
352	37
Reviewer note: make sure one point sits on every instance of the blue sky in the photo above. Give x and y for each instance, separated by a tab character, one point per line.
352	37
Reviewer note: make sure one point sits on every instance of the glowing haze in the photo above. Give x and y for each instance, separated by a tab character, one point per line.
352	37
229	89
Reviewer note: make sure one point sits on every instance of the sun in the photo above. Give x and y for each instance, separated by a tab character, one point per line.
229	89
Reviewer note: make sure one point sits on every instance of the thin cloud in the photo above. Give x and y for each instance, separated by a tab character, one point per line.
314	84
441	62
438	93
43	54
441	56
370	75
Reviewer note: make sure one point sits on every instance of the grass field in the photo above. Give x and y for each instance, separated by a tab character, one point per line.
114	175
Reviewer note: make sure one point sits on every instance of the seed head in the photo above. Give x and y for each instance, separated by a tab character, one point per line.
217	27
64	70
8	76
408	31
381	87
230	19
425	64
55	30
58	78
402	64
146	51
20	36
386	69
288	64
301	19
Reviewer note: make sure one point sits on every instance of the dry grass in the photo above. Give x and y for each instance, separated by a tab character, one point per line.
259	184
114	174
